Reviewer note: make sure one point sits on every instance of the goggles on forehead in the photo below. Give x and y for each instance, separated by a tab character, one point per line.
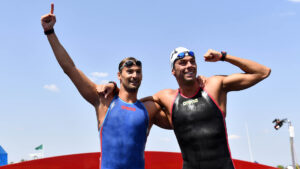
187	53
130	63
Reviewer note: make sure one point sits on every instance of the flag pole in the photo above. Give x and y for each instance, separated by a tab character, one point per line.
292	135
249	143
42	151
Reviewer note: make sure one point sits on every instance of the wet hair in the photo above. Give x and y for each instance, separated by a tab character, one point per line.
125	60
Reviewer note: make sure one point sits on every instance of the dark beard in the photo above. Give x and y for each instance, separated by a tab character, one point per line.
131	89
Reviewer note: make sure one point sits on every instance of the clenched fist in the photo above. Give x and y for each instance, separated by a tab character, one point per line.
212	56
105	90
48	20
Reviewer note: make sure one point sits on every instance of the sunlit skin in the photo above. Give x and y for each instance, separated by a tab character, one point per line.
131	78
185	70
216	88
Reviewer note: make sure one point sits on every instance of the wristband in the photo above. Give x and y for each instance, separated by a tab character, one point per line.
223	55
48	32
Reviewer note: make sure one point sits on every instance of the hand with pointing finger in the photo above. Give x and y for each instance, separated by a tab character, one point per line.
212	56
48	20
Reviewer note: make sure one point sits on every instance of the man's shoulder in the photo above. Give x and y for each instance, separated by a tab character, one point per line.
214	83
164	97
166	92
215	79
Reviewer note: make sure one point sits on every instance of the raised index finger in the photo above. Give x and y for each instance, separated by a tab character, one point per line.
52	8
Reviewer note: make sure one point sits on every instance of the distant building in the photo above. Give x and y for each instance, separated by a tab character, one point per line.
3	157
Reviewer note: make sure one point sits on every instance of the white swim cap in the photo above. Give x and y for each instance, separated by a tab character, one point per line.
174	55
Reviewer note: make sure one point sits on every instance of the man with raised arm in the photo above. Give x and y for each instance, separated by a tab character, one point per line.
123	121
197	114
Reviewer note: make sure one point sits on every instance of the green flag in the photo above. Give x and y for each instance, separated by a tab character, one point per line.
40	147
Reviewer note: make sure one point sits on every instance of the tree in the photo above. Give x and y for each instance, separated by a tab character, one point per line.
280	166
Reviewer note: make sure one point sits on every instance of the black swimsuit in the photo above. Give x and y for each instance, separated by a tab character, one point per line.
200	129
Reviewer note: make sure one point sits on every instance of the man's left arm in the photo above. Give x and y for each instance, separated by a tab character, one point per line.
253	72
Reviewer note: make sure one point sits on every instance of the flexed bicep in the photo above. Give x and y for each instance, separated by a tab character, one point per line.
239	81
253	73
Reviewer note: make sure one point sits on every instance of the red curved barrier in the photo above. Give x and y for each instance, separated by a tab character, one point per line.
154	160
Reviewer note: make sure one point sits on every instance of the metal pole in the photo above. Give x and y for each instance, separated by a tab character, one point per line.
292	135
249	144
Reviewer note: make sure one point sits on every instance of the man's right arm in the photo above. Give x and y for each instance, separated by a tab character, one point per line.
85	86
253	72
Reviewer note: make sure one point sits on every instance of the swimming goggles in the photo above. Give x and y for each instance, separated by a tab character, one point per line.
130	63
187	53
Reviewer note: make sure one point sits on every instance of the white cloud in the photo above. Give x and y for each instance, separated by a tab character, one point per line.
96	80
93	79
96	75
294	0
233	137
104	81
51	87
99	74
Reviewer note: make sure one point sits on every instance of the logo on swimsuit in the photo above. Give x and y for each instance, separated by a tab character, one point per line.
112	105
189	102
128	108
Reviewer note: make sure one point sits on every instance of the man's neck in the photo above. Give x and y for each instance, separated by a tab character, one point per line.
189	90
128	97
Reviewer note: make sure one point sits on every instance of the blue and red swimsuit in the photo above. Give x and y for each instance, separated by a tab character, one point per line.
123	135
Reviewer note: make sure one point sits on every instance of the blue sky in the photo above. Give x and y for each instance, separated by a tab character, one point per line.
40	105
